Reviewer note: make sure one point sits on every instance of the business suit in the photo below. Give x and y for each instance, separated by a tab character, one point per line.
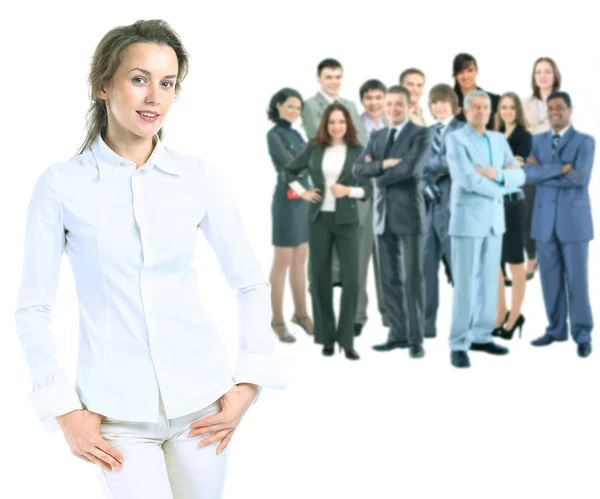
476	228
312	113
327	230
367	248
436	179
562	228
399	223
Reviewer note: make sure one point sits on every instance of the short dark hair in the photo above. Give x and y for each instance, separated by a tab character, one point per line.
328	63
410	71
560	95
279	98
445	93
323	139
399	89
371	85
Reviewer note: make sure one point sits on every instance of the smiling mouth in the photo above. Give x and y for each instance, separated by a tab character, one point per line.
148	115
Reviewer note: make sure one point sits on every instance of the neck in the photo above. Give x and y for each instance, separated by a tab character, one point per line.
480	129
331	96
130	147
560	128
413	105
544	93
396	123
375	118
509	127
337	142
465	91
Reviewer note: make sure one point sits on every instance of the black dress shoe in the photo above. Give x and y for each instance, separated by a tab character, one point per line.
545	340
490	348
460	359
416	352
350	353
584	350
328	350
358	328
390	345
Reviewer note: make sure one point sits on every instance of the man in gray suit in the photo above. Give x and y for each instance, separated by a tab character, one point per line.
329	77
443	103
395	157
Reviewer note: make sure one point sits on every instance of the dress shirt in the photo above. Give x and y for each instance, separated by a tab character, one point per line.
370	125
130	236
334	158
328	98
562	132
398	128
446	122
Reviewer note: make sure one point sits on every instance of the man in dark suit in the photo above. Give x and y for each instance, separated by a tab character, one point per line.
443	103
560	165
395	157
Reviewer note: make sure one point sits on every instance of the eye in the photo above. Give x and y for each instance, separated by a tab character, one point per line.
168	83
138	79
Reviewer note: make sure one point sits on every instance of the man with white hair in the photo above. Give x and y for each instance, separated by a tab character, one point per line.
482	167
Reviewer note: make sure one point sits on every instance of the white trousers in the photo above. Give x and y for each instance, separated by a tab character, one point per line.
162	462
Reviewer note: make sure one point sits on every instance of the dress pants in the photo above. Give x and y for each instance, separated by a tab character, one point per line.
437	248
324	234
401	260
161	461
367	249
564	276
475	263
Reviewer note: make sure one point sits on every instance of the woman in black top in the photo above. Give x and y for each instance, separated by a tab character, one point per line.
465	73
288	212
510	120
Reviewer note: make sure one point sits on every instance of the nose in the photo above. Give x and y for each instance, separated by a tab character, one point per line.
153	95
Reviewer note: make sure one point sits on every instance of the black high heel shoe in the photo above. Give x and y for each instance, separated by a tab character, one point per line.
507	334
496	332
350	353
328	350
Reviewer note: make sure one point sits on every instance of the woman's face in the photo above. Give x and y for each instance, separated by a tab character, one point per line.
336	126
466	78
140	93
544	75
508	111
290	109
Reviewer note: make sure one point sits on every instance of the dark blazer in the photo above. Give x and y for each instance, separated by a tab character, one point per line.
495	100
399	202
311	159
520	141
562	202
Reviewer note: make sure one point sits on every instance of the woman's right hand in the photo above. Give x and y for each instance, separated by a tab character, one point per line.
520	160
82	433
313	196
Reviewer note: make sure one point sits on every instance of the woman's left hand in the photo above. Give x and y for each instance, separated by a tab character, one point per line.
340	191
221	426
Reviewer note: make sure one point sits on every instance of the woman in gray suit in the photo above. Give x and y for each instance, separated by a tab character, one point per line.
333	222
288	212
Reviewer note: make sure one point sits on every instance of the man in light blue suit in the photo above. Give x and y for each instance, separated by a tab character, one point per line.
481	167
561	165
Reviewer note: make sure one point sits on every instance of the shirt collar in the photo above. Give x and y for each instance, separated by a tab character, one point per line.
369	121
107	160
327	98
447	121
400	126
562	132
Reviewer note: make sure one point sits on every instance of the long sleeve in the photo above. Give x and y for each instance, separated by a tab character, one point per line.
223	229
363	170
411	165
513	177
541	173
579	175
279	154
52	395
463	172
293	168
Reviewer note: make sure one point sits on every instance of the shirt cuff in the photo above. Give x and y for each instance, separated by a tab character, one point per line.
262	370
56	400
298	188
500	177
357	192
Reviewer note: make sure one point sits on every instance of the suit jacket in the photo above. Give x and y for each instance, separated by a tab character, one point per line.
535	124
311	159
399	204
313	111
562	202
476	202
436	163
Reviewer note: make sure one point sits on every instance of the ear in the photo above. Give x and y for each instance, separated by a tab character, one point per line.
103	92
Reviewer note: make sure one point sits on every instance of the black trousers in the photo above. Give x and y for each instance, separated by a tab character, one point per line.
324	234
401	258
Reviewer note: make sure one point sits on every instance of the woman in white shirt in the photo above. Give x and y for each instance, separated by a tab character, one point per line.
545	79
153	385
333	221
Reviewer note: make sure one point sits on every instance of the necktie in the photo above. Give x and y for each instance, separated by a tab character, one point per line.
436	143
555	141
390	143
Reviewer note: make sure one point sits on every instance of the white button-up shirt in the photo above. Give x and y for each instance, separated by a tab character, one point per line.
130	236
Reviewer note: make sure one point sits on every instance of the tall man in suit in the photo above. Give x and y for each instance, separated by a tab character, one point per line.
372	98
443	104
561	165
329	77
395	157
481	167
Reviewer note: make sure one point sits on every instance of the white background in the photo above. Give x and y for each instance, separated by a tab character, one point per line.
522	426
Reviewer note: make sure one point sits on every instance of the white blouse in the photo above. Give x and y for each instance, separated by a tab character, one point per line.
130	236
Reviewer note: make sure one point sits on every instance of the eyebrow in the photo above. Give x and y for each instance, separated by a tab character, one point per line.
146	72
